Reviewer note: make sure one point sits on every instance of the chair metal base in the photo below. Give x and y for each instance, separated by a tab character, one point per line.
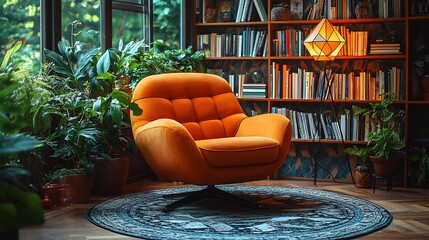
209	192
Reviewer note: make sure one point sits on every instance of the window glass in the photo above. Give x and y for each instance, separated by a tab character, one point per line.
128	26
166	21
80	21
20	21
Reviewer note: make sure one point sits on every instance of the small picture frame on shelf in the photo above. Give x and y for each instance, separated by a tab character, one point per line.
225	11
296	9
210	11
363	9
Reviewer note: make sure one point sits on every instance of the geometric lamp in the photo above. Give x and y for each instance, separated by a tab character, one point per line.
324	42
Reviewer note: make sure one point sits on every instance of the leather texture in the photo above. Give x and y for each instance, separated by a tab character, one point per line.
193	130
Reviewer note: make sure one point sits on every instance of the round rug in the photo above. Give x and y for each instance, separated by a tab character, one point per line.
288	213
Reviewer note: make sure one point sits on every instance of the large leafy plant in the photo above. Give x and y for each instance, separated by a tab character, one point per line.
74	63
119	62
19	206
86	119
418	165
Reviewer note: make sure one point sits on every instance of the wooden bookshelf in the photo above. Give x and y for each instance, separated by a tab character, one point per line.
401	27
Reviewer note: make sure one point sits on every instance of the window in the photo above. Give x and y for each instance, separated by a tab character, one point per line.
130	21
92	22
167	21
20	21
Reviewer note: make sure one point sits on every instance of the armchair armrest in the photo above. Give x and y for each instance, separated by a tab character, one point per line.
168	148
275	126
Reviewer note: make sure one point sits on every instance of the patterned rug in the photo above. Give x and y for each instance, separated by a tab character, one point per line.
288	213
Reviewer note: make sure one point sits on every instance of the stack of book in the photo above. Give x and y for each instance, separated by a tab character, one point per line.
254	90
385	48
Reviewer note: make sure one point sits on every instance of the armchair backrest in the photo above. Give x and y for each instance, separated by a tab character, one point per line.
203	103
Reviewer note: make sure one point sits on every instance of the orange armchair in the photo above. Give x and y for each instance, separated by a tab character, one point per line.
193	130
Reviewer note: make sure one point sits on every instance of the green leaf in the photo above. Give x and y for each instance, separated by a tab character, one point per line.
116	113
103	64
27	205
9	54
18	143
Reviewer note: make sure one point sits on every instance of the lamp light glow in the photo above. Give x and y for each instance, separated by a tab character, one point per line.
324	42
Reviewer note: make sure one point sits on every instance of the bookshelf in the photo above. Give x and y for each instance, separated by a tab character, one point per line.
275	50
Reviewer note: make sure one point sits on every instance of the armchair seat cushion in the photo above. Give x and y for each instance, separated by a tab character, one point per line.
239	151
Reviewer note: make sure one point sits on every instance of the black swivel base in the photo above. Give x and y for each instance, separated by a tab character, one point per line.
209	192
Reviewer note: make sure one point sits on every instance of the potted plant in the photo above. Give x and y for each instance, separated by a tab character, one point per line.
87	118
418	166
362	172
116	64
385	143
20	205
111	176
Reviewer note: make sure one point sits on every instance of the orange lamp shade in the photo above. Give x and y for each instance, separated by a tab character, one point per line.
324	42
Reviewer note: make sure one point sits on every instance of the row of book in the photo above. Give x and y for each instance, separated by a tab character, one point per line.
310	125
290	42
303	84
241	85
245	8
249	43
348	9
243	89
236	11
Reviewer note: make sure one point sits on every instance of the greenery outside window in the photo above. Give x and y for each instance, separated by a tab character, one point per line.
20	21
81	17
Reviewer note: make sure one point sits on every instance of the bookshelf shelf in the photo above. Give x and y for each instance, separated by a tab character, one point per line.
387	56
230	24
404	30
329	141
341	21
237	58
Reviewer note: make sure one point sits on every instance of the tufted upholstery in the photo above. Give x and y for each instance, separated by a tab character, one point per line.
193	130
205	108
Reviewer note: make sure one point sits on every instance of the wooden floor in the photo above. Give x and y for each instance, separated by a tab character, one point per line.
409	207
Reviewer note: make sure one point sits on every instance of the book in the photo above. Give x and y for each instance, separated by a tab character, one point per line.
260	8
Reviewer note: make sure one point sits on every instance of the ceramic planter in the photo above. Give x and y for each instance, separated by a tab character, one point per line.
81	185
111	177
363	179
386	167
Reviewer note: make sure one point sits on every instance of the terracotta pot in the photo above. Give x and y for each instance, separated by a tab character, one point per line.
51	191
81	185
59	194
111	177
363	179
386	167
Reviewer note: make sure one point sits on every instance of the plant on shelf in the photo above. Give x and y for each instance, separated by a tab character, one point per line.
418	166
20	205
385	141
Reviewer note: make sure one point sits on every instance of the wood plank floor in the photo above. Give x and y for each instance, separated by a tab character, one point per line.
409	207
